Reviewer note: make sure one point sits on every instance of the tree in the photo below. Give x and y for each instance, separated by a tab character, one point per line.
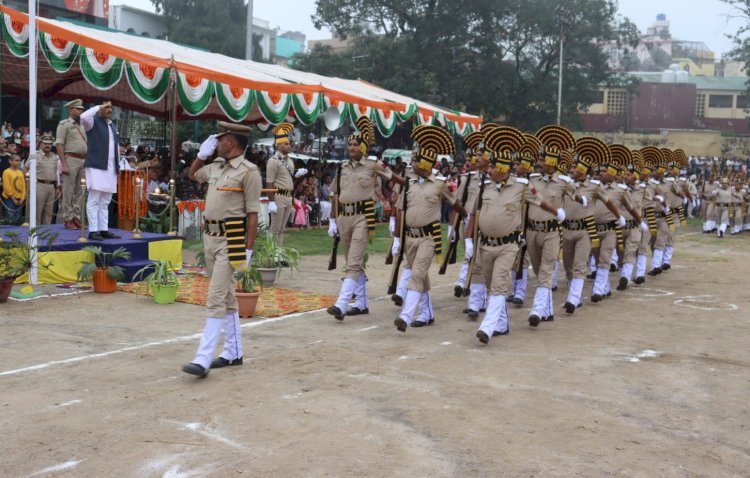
219	26
498	58
741	50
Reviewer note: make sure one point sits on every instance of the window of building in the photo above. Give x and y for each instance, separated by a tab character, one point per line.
700	106
742	102
616	102
720	101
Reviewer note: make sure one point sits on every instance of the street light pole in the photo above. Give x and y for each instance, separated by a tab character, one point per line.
560	77
249	39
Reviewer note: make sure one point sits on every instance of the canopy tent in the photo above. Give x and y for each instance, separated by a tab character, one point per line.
89	63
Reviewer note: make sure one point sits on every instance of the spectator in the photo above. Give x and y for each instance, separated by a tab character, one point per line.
300	210
14	190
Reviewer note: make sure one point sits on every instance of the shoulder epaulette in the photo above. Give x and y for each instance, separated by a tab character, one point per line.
522	180
535	175
623	186
565	178
440	178
595	181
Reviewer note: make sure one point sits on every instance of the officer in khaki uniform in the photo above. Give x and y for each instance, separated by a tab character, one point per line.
579	229
280	175
72	146
708	206
403	281
354	188
634	227
47	181
658	191
495	226
542	225
724	206
231	222
420	212
676	196
643	194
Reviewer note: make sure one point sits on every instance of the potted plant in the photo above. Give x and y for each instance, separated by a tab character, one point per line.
269	257
247	297
18	256
102	270
162	279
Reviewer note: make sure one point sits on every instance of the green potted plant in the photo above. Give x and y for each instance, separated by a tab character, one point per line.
247	296
269	257
161	277
101	270
18	256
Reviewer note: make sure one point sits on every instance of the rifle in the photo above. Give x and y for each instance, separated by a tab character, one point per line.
450	254
518	267
393	283
334	252
475	236
389	256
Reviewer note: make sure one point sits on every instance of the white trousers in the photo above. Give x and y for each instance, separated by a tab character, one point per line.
426	312
462	272
97	204
640	265
601	283
519	285
575	290
212	331
496	318
346	293
403	282
542	306
656	259
627	271
360	301
477	297
411	301
668	250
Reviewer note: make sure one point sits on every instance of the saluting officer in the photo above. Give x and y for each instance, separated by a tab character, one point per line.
542	226
353	217
231	223
47	181
280	176
420	211
72	145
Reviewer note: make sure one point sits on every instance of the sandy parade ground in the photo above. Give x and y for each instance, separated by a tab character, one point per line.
652	382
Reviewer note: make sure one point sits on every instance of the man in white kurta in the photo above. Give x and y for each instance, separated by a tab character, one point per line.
101	168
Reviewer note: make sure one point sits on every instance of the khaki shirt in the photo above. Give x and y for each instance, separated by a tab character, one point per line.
233	188
502	207
72	136
552	189
655	188
424	199
409	174
641	196
471	181
46	166
358	180
280	172
709	188
618	194
675	193
723	195
594	193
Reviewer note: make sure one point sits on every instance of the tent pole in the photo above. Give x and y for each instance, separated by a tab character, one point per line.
173	143
32	139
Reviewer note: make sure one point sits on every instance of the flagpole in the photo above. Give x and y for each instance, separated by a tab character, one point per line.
32	136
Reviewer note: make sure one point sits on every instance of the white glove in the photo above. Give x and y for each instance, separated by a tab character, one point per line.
450	233
584	201
643	226
208	147
300	172
392	225
396	245
660	198
272	207
332	229
667	210
468	247
248	256
560	215
621	221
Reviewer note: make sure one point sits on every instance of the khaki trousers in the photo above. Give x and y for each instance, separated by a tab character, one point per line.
607	245
45	202
632	239
576	247
353	234
285	209
72	189
644	247
497	261
221	299
419	253
662	234
543	250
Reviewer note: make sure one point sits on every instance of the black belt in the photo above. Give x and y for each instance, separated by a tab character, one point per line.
46	182
631	224
660	214
417	232
724	204
542	226
606	226
352	208
283	192
499	241
574	224
214	228
74	155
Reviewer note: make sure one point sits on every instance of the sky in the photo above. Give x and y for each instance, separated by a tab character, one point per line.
694	20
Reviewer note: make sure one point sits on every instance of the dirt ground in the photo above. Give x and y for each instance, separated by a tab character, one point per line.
653	382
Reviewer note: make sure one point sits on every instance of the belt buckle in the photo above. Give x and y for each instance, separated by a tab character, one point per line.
348	209
415	231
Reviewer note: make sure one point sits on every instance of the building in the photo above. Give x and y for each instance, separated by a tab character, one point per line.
267	38
672	99
140	22
288	44
336	44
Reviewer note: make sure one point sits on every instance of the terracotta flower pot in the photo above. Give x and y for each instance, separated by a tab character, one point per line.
5	288
247	302
103	283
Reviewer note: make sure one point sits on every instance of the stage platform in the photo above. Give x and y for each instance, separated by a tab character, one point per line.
66	254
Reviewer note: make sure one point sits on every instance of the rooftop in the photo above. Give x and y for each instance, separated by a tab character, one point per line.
729	83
